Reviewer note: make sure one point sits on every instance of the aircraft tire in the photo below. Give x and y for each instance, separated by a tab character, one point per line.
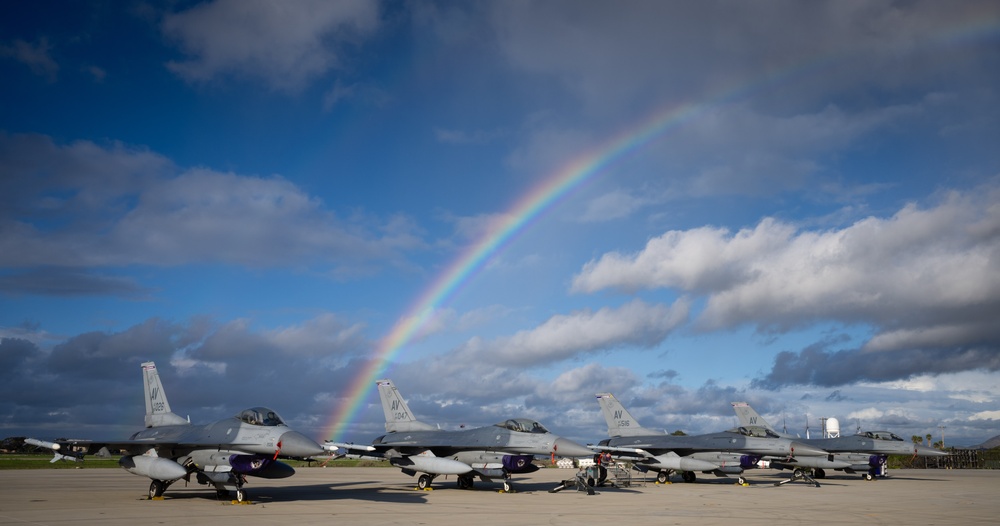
465	482
506	486
222	494
741	481
240	495
423	481
819	473
662	477
689	476
156	489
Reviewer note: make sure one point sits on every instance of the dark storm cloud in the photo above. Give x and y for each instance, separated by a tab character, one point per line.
829	368
209	371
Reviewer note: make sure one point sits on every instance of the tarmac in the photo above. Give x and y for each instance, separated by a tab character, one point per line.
385	496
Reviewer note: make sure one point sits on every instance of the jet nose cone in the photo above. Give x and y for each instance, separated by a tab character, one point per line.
295	444
800	449
924	451
565	447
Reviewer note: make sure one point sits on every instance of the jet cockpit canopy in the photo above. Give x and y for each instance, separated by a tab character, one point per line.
881	435
757	431
260	416
523	425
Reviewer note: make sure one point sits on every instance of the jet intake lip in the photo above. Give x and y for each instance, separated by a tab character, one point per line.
295	444
565	447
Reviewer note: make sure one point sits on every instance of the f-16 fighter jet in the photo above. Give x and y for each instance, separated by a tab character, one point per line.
492	452
222	454
865	452
724	453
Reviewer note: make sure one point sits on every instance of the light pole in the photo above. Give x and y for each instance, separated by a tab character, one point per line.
942	436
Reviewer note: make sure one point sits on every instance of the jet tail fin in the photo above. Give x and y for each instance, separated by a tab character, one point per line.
157	408
621	423
397	414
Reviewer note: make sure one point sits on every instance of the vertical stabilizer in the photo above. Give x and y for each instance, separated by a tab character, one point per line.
397	414
621	423
157	408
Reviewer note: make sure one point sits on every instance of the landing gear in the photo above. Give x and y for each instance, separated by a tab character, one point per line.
688	476
868	476
424	481
222	494
741	481
156	489
465	482
662	477
240	494
506	482
819	473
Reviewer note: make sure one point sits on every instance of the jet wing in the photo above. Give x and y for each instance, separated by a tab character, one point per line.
81	448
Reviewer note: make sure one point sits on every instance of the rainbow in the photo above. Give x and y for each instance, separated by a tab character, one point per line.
554	189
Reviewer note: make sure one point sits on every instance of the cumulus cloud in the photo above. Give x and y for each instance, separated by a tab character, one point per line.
284	44
85	204
927	279
568	335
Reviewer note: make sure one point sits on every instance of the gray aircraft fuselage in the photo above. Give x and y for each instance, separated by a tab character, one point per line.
725	441
506	437
873	442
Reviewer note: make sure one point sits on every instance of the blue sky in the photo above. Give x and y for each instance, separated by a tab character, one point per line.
253	194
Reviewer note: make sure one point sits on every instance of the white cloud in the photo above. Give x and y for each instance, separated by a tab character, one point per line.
930	276
986	415
285	44
565	336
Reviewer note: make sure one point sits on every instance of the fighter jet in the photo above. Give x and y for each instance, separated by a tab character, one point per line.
222	453
866	451
492	452
724	453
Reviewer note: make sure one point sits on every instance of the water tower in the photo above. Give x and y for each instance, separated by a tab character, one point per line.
832	428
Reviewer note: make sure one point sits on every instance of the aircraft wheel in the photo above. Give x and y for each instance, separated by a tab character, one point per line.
423	481
156	489
662	477
506	486
240	495
868	476
222	494
689	476
741	481
465	482
819	473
